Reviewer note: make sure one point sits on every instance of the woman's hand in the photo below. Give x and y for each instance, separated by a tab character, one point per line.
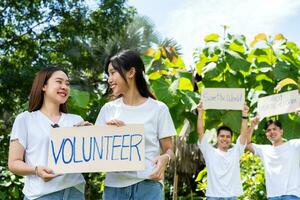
115	122
45	173
84	123
161	163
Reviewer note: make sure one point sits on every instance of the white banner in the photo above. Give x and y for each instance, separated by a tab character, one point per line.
97	149
278	104
223	98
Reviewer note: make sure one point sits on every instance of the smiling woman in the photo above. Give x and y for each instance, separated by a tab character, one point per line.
29	142
133	103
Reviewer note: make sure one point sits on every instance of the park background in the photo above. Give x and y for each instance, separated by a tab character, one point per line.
247	50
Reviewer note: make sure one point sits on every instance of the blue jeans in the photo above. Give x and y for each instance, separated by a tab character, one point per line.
221	198
285	197
67	194
146	190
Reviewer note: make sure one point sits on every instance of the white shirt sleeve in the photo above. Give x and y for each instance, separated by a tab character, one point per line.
240	147
165	124
204	145
295	143
19	130
101	116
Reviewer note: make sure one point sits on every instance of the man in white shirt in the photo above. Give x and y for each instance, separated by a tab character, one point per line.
281	162
223	159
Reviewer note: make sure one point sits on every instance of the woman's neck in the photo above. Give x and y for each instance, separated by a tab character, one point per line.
133	98
51	111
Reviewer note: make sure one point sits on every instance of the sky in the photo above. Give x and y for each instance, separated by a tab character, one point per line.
189	21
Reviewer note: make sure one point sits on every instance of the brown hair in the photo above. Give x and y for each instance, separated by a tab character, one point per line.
36	97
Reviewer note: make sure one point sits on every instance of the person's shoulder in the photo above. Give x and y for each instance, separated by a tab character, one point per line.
294	142
26	114
112	103
156	103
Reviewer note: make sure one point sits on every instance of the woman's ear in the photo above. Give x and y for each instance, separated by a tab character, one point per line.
131	73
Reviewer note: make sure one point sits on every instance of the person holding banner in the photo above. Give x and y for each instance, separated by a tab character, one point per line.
29	141
281	162
223	159
133	103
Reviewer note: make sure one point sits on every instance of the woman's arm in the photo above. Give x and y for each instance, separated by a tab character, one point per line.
162	160
17	165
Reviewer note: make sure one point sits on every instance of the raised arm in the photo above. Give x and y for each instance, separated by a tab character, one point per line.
243	134
254	123
200	121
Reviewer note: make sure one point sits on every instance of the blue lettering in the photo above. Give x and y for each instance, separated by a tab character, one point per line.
73	149
135	145
114	146
100	152
59	151
124	146
83	149
63	151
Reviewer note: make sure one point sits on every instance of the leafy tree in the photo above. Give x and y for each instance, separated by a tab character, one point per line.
35	34
269	65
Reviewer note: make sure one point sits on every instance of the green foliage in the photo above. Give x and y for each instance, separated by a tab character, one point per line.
172	84
253	178
269	66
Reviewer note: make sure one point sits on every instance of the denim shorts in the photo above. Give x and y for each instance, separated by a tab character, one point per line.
285	197
146	190
66	194
221	198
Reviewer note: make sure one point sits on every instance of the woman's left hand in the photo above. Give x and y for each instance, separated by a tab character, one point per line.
161	165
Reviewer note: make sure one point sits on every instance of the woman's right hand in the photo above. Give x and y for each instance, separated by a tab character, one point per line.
115	122
45	173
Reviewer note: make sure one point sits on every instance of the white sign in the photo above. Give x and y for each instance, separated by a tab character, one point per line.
97	149
223	98
277	104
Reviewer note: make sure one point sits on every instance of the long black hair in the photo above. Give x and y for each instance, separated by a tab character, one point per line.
122	62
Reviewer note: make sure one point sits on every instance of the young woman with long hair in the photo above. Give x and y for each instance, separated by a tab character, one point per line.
134	104
29	142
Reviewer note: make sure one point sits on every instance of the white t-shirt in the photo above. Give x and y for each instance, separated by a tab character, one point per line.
282	167
32	130
158	124
223	169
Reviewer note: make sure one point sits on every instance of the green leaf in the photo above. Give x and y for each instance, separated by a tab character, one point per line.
234	46
80	98
213	70
283	70
233	119
212	38
236	62
185	84
285	82
162	92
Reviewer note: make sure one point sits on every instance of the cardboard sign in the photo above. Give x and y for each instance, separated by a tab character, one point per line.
223	98
97	149
278	104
